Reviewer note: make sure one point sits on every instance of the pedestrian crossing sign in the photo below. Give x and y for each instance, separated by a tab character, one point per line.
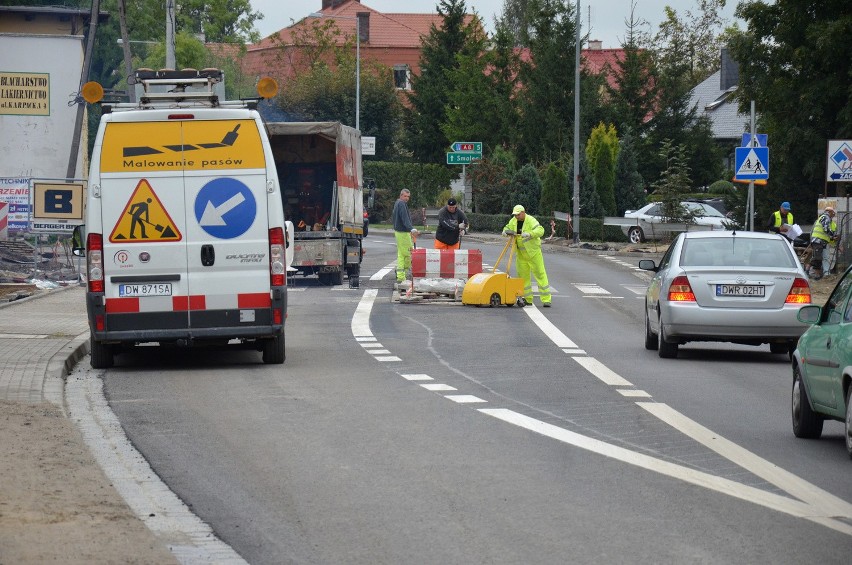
751	163
144	219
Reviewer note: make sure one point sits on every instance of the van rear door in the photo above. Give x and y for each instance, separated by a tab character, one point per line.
227	225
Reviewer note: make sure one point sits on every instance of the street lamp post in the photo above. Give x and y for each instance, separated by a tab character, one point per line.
357	60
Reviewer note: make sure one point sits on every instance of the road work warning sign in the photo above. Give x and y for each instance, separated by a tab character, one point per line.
144	219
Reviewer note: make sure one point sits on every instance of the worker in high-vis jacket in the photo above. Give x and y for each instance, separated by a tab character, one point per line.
781	219
823	234
530	262
404	232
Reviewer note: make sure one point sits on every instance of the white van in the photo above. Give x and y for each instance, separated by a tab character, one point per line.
185	234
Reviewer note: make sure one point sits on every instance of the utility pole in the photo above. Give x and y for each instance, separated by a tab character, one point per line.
170	35
576	196
84	77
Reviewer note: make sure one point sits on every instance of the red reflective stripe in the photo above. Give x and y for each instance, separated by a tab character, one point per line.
448	263
122	305
184	303
474	262
418	262
255	300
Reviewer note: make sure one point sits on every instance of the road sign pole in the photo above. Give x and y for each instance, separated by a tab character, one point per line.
751	183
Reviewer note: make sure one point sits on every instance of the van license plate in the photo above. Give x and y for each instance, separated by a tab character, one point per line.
148	289
756	290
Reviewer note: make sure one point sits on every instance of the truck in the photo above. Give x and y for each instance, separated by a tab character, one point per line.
319	170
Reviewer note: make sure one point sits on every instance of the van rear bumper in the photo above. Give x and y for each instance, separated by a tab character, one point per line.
188	326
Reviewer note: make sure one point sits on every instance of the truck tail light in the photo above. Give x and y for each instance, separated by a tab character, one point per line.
800	292
277	268
680	290
95	261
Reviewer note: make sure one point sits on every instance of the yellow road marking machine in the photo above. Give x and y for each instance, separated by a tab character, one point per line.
495	288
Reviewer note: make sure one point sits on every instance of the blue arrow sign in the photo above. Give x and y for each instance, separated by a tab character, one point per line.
467	146
225	208
751	163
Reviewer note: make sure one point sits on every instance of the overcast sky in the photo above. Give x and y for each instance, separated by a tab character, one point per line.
606	16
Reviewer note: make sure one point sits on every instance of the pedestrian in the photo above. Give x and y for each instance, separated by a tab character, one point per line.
825	232
781	219
404	232
451	223
529	261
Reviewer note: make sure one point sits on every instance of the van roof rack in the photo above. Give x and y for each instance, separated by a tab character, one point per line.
186	85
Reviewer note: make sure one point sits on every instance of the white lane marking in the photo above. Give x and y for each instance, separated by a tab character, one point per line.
371	345
417	377
692	476
574	351
464	398
361	317
437	387
364	339
636	288
23	336
380	274
189	539
785	480
601	296
590	288
551	331
632	392
602	372
387	358
291	288
379	351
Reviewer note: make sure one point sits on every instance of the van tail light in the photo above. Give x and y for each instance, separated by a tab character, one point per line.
277	268
680	290
800	293
95	261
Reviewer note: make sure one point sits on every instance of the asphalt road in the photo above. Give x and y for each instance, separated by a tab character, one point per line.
401	433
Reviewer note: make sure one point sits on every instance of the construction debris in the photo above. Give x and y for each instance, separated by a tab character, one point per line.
429	290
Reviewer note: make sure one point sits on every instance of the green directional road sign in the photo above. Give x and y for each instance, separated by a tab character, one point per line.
463	158
467	147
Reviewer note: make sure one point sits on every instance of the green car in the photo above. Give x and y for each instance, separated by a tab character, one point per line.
822	365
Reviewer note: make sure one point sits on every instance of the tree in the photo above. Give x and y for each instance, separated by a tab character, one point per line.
546	102
794	65
629	187
673	181
515	18
431	89
482	87
601	153
524	189
490	180
632	97
590	201
555	194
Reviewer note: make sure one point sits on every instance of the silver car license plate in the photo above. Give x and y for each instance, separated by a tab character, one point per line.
756	290
146	289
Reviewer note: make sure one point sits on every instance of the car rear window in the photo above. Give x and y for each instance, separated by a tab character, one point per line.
736	252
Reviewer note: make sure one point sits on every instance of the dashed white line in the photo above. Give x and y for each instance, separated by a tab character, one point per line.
632	392
601	371
417	377
464	398
438	387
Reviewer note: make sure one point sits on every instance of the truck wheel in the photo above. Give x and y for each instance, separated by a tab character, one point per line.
354	275
273	350
102	354
336	278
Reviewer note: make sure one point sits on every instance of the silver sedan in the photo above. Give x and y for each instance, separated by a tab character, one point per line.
739	287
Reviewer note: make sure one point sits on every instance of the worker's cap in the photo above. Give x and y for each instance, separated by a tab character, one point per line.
517	210
829	209
785	205
451	202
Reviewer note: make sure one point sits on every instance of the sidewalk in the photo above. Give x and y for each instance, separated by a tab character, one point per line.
56	504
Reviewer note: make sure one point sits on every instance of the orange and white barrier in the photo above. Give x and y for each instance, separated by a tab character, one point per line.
446	263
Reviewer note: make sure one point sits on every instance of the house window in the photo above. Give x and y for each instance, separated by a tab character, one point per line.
401	76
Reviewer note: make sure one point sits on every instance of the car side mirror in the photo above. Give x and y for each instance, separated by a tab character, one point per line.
809	314
648	265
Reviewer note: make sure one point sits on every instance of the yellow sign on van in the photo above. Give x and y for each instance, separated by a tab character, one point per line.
203	145
144	219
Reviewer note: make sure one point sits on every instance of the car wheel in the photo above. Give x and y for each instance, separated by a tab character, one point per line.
651	339
495	300
665	349
849	421
779	348
806	424
635	235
